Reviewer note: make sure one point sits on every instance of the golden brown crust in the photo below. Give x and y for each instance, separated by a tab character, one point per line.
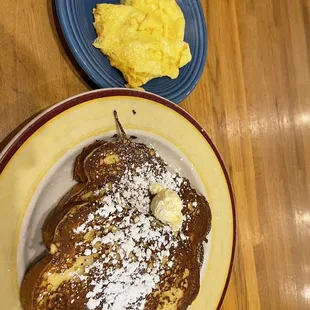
57	213
53	282
78	172
31	277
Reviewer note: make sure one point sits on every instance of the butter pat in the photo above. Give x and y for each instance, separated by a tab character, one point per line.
155	188
166	206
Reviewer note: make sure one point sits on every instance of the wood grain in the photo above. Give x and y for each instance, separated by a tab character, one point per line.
254	101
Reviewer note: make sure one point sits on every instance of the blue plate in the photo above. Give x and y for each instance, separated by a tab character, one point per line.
76	21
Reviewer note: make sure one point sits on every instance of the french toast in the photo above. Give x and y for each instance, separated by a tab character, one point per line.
106	249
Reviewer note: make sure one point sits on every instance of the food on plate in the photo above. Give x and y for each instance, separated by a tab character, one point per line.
144	39
166	206
116	240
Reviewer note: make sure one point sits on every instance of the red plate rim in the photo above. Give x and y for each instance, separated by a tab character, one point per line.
58	108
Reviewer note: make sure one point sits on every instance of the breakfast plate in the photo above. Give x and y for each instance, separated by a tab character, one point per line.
42	155
76	21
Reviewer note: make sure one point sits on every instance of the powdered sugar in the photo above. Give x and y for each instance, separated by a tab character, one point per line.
136	187
128	285
123	276
82	228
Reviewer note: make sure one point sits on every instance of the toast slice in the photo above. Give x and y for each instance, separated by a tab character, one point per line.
100	165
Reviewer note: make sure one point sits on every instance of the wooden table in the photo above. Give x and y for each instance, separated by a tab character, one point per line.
254	101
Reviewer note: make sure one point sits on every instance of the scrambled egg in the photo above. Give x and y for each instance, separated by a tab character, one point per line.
142	38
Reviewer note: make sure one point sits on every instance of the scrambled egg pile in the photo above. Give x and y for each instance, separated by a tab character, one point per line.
142	38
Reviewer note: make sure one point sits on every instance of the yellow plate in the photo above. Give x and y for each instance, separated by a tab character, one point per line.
36	170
